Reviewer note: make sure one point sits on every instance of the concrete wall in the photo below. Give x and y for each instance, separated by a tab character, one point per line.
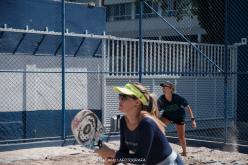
30	97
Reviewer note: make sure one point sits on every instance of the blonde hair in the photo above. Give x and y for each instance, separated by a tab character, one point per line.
150	110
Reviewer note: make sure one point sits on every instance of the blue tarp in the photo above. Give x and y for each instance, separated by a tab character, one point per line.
39	14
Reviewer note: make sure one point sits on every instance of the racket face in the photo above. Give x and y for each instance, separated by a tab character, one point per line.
87	129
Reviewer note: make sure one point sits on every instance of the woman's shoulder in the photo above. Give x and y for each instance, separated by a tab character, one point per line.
148	121
177	96
161	97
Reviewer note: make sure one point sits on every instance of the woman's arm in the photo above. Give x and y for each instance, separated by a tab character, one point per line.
105	152
189	110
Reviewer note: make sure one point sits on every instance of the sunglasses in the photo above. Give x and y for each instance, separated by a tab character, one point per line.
166	86
125	97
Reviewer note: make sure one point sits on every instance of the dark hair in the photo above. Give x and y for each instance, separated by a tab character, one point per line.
168	84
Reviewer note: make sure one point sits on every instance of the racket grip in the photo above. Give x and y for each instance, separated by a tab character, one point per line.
99	144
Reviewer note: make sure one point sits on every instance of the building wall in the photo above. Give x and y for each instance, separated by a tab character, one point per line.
129	28
122	21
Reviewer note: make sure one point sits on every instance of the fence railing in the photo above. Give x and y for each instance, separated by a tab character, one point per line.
35	87
166	57
160	57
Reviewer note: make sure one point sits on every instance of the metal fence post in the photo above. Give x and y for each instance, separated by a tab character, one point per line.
226	69
63	68
140	41
105	71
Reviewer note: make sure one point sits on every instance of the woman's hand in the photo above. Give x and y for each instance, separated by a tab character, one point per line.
105	152
193	124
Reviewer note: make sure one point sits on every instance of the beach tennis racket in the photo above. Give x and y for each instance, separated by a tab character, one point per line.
88	129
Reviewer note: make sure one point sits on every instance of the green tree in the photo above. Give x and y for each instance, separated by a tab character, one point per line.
211	15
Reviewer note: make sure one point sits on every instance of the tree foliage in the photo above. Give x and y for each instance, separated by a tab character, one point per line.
210	14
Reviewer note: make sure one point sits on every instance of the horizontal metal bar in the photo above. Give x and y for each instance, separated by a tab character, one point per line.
16	71
72	34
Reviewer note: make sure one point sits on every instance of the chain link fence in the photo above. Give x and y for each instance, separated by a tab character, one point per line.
183	41
193	44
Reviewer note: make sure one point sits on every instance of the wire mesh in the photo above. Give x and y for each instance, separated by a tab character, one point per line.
185	41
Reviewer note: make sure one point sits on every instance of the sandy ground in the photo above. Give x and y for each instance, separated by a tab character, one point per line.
77	155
